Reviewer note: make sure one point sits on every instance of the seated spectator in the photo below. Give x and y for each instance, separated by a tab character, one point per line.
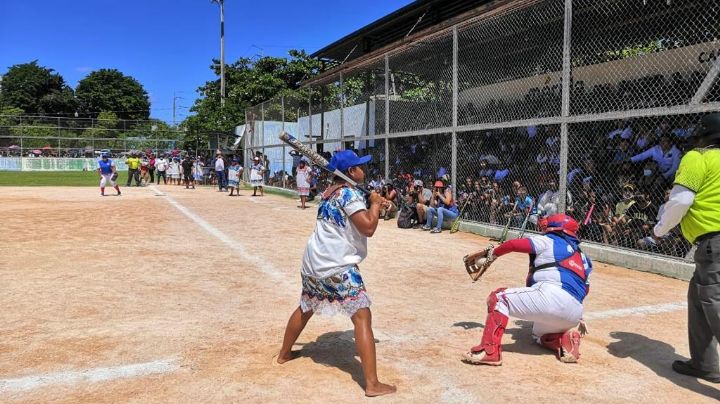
641	218
442	205
619	220
591	218
421	199
643	140
524	205
549	202
672	243
666	155
622	152
652	182
389	193
485	170
377	183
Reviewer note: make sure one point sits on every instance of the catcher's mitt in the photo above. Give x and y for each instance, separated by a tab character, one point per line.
477	263
114	176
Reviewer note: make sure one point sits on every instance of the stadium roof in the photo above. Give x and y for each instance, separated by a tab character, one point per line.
413	18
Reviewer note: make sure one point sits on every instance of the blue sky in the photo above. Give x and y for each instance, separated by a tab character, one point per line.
168	44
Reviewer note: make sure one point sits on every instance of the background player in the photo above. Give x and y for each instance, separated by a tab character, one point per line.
108	172
552	299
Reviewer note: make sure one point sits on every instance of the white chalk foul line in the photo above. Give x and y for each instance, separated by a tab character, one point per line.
236	246
87	376
636	311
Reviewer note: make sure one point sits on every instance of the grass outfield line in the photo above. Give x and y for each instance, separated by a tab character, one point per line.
53	178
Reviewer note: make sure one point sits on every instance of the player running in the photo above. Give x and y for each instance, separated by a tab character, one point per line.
553	299
108	172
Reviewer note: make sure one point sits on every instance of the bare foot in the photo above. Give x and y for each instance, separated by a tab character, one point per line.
379	389
285	358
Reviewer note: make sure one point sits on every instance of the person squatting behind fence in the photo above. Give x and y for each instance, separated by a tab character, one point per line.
442	205
694	202
556	286
233	180
331	281
108	172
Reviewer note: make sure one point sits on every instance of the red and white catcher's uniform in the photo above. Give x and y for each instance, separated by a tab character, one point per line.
552	299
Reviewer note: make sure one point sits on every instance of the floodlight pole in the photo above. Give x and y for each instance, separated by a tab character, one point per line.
221	3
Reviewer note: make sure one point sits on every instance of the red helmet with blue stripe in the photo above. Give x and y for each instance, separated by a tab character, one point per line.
562	222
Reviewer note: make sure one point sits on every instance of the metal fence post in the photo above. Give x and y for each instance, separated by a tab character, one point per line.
282	125
387	116
342	110
453	163
565	108
262	124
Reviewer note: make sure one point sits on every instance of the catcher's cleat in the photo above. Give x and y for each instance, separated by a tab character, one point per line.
489	352
566	345
481	358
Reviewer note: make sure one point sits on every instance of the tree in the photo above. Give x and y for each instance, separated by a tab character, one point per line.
248	83
110	90
36	90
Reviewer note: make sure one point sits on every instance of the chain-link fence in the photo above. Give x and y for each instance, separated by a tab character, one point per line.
530	108
31	136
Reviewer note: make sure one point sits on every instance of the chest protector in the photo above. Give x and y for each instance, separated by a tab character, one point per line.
574	263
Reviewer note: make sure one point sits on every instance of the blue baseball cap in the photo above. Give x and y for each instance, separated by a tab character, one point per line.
346	159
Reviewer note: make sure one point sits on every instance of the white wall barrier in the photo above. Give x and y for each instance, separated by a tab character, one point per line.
52	164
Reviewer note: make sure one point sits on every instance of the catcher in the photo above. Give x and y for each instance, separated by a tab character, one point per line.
108	172
552	299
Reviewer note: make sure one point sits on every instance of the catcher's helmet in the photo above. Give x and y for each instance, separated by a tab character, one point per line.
710	127
561	222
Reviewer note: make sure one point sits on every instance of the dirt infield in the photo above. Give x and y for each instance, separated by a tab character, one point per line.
174	295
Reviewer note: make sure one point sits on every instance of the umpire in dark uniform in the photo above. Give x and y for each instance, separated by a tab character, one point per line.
695	204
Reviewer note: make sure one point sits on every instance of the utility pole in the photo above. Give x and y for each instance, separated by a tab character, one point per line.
221	3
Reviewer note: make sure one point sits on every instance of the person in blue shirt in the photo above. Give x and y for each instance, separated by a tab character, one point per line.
665	154
107	170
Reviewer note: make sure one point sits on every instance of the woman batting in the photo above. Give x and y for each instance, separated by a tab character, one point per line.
331	281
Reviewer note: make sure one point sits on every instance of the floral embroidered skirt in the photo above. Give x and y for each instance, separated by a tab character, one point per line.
342	293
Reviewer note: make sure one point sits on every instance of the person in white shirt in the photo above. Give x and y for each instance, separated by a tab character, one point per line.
331	281
220	171
161	165
257	179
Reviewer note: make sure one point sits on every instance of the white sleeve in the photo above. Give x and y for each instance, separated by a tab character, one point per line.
676	207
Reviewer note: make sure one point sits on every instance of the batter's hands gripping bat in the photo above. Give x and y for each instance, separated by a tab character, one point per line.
477	263
318	160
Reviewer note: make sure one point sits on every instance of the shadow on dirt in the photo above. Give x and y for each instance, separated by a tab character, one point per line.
658	357
520	331
336	349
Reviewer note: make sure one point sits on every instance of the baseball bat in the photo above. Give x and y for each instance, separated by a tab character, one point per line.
318	160
503	236
456	223
525	222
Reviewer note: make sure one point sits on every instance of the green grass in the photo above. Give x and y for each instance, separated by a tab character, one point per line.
53	178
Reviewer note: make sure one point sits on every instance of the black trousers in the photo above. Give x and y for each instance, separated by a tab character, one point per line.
152	175
133	173
704	306
161	174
